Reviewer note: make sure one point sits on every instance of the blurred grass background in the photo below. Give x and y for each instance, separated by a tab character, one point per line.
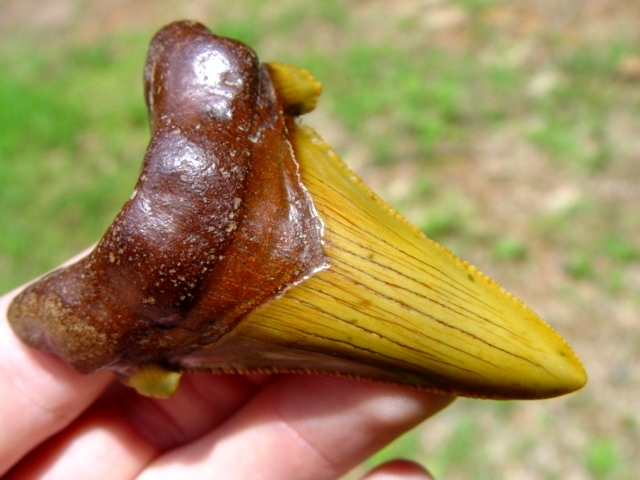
508	131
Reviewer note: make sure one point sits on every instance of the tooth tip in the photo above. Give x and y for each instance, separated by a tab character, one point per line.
552	369
571	375
566	373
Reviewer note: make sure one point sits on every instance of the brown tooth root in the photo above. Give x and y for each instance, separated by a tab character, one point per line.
248	246
218	223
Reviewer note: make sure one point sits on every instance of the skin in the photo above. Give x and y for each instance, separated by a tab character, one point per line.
58	423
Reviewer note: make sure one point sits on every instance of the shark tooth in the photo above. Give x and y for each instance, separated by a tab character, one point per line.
248	246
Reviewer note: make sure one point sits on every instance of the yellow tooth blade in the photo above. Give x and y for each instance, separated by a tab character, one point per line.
395	306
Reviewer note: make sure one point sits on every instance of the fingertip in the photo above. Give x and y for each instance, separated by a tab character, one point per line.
40	394
399	469
42	375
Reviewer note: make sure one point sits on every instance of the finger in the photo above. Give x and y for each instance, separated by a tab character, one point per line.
311	427
99	445
123	432
399	470
39	393
201	404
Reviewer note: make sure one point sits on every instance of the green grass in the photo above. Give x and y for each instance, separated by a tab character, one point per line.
420	102
510	249
621	249
602	458
72	147
445	218
464	448
575	113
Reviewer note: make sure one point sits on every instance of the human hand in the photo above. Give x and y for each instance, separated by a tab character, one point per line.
57	423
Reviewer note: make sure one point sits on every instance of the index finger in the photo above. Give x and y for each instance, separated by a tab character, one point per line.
39	393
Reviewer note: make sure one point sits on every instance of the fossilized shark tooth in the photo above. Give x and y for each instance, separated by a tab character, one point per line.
248	246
